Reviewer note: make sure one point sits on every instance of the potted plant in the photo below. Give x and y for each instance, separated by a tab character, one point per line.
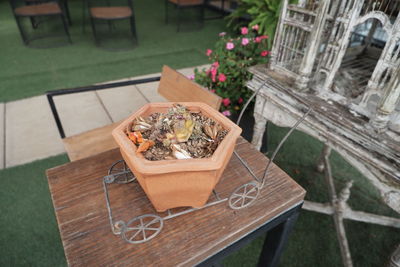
171	183
228	74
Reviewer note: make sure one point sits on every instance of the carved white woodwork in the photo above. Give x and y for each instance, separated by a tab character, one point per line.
342	59
311	48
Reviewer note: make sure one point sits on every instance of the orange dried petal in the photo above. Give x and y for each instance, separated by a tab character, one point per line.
145	146
132	137
151	142
139	137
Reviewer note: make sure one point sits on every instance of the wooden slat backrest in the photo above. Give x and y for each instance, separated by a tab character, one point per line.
90	143
176	87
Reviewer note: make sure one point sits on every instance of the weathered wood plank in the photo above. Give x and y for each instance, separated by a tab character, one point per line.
80	206
377	156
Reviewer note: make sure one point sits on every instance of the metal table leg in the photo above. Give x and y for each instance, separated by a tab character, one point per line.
276	241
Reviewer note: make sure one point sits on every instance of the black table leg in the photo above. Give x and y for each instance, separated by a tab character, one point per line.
276	240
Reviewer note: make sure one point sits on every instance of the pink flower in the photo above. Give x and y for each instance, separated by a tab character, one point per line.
226	113
213	74
255	27
230	45
264	37
264	53
191	77
226	102
244	30
213	70
209	52
245	41
212	90
222	34
240	100
258	39
221	77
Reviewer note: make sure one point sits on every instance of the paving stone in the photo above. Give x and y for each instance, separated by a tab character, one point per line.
149	90
31	132
122	101
2	132
190	71
81	112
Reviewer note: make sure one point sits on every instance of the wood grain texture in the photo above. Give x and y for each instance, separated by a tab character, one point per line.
91	142
175	87
80	207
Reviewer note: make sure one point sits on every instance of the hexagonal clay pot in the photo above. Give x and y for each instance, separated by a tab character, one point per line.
184	182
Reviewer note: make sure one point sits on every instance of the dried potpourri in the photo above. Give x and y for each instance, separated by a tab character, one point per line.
177	134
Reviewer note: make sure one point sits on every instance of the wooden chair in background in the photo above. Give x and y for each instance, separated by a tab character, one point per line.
105	12
180	5
174	86
39	12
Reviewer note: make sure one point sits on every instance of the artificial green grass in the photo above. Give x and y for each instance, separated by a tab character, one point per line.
313	241
28	71
30	235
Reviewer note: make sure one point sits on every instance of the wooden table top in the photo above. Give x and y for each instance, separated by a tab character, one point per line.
80	207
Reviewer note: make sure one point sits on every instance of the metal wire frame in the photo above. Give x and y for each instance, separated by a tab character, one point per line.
241	197
262	180
121	228
51	94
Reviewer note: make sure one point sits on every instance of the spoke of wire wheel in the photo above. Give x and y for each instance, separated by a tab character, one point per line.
132	237
133	228
237	195
144	234
245	189
243	201
153	221
250	197
152	229
251	190
234	203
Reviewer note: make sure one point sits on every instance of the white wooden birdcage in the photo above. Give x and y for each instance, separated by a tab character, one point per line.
345	50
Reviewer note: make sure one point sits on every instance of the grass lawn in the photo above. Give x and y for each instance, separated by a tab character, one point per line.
30	235
28	71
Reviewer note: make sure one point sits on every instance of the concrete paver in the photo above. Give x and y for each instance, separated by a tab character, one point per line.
31	132
81	112
149	90
121	102
28	131
190	71
2	149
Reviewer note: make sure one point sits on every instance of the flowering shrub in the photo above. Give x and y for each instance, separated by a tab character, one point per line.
228	73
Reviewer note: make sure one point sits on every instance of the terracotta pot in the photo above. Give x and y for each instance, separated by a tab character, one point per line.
178	183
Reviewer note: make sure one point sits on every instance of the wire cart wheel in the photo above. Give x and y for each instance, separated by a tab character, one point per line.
142	228
243	196
121	172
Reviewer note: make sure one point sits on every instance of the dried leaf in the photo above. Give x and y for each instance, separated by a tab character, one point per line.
176	134
180	153
139	137
145	146
132	137
183	130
